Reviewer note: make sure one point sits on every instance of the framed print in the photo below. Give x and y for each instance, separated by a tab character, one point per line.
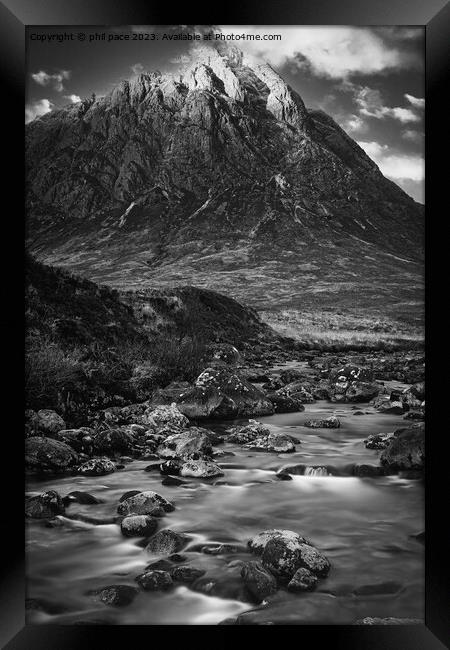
226	335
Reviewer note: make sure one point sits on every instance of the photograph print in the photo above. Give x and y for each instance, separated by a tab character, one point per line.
225	364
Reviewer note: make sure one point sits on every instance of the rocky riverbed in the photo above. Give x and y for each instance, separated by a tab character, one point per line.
289	493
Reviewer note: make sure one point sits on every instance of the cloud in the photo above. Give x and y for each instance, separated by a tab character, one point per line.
73	98
354	124
137	68
371	104
55	81
412	135
37	109
415	101
332	52
396	166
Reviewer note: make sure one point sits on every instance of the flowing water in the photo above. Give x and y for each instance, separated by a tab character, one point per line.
363	525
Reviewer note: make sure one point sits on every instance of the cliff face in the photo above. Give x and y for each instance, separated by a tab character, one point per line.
218	176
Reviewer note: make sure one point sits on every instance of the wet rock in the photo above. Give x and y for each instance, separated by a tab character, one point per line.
258	581
296	391
130	493
378	440
163	416
290	375
258	543
302	580
159	565
285	403
273	442
112	441
186	574
283	475
138	526
145	503
176	557
155	580
80	497
115	595
406	449
200	469
45	505
220	549
191	444
166	542
364	470
391	407
414	415
220	392
47	455
283	558
97	467
170	467
248	432
95	521
328	423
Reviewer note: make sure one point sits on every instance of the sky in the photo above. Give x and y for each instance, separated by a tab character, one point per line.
371	80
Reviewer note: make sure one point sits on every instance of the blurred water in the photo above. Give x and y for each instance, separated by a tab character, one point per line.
363	525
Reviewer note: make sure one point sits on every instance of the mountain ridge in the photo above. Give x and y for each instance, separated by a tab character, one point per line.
220	177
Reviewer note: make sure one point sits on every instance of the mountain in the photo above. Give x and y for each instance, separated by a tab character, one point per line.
219	176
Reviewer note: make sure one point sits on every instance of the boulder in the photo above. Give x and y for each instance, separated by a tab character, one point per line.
290	375
115	595
97	467
162	416
297	391
200	469
45	505
392	407
220	392
80	497
378	440
283	558
406	449
138	526
79	439
112	441
48	455
258	581
166	542
275	442
302	580
258	543
45	422
186	574
155	580
285	403
127	415
351	383
145	503
329	423
248	432
192	443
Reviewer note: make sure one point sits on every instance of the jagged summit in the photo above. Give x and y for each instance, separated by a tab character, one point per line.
217	175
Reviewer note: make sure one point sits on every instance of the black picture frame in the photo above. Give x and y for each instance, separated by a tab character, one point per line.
15	15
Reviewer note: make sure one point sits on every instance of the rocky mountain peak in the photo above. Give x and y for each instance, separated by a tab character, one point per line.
216	172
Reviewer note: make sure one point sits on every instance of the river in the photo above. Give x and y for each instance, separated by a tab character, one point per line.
363	525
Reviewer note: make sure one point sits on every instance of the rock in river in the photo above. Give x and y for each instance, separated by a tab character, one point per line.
329	423
166	542
258	581
47	455
155	580
406	449
186	573
258	543
302	580
115	595
145	503
163	416
45	505
276	442
283	558
193	443
200	469
138	526
97	467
